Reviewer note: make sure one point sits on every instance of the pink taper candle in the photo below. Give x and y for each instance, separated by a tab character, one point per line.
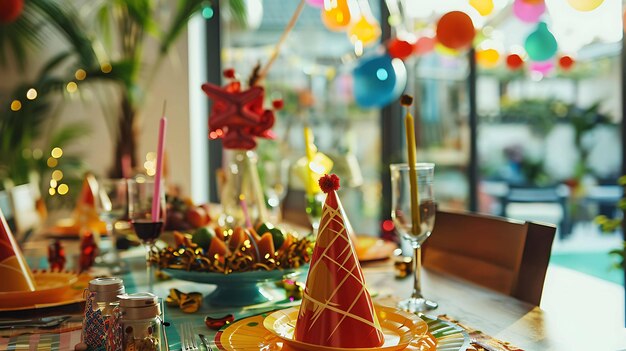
156	203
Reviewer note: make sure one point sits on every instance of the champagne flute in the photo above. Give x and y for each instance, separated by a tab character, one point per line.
401	215
148	229
112	206
314	205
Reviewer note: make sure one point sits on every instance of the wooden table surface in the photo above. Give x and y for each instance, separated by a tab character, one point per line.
578	312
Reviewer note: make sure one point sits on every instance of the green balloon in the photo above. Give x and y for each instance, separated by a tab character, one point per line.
541	44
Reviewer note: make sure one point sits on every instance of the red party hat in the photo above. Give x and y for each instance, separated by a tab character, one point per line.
336	309
15	273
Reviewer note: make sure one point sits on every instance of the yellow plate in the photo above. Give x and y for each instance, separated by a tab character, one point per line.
52	289
399	328
249	334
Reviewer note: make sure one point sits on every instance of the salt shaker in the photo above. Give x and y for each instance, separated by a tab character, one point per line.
141	322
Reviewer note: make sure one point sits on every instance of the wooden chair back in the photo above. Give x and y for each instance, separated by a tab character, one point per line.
504	255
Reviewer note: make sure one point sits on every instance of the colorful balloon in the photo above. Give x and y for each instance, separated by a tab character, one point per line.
585	5
365	30
316	3
529	13
399	48
544	67
336	18
566	62
488	58
378	80
446	51
424	45
484	7
455	30
514	61
541	44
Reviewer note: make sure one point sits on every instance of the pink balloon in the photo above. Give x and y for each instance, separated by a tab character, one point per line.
544	67
316	3
424	45
529	13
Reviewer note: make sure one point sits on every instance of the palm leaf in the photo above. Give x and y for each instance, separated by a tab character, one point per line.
64	18
19	37
69	133
184	11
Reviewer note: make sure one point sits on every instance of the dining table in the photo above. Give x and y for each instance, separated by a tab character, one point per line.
577	311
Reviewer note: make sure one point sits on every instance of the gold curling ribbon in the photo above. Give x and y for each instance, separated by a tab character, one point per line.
188	303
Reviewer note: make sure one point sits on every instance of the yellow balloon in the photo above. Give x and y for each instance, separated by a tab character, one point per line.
336	16
364	30
484	7
585	5
488	58
444	50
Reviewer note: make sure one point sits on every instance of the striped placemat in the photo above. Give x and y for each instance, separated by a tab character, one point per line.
41	342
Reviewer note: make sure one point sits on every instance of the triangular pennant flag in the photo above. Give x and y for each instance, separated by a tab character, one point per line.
15	273
85	213
336	309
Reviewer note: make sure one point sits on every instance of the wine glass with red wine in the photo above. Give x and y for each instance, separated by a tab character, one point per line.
140	197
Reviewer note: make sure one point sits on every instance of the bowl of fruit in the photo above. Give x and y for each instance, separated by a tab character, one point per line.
238	260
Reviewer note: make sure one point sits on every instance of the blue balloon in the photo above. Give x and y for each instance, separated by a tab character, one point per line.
378	80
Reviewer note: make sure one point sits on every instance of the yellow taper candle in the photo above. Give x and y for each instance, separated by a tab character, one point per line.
310	154
406	101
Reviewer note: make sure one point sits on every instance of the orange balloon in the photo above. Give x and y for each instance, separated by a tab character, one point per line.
455	30
533	2
336	18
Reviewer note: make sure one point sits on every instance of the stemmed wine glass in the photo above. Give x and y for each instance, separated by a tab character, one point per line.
401	215
140	194
112	206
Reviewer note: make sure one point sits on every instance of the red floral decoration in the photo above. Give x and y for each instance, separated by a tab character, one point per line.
10	10
238	116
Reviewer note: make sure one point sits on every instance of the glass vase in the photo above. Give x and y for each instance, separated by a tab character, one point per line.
242	200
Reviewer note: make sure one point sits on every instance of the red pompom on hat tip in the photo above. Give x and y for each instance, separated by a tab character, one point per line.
329	183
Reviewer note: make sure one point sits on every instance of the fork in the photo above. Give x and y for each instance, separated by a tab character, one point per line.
188	338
